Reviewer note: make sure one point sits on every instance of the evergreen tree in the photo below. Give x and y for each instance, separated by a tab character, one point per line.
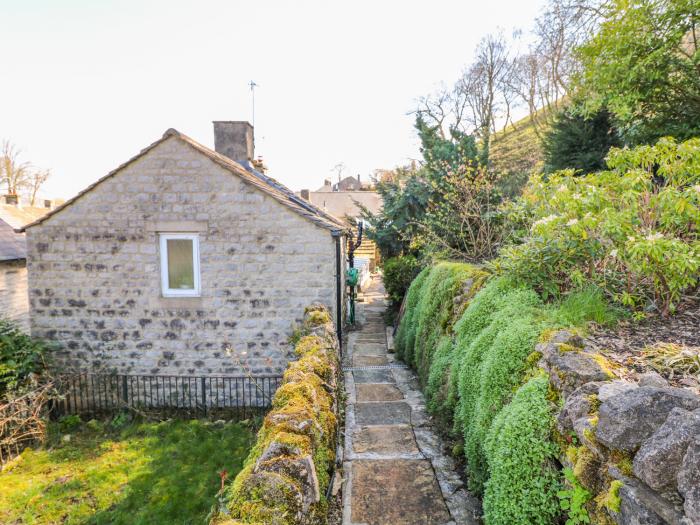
579	141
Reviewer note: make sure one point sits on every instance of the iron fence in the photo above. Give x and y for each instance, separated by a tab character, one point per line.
199	395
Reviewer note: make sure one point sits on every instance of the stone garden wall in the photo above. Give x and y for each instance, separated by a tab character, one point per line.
287	473
634	446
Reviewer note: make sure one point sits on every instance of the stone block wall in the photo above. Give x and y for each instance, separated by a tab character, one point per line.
94	272
14	302
634	446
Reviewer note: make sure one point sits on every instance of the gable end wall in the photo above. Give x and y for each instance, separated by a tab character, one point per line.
94	272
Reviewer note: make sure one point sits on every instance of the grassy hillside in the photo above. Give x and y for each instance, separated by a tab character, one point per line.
517	150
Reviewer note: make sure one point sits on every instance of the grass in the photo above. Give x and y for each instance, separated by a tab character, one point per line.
143	473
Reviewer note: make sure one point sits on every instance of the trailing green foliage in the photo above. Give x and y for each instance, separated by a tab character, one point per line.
20	355
398	272
406	333
473	348
632	230
491	365
523	483
435	310
573	500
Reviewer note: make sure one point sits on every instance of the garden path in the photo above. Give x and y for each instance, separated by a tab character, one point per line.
395	468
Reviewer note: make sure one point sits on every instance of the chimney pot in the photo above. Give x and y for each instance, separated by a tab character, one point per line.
305	195
12	199
234	139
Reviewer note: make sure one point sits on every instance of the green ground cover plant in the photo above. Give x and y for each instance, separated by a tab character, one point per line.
140	473
522	488
476	356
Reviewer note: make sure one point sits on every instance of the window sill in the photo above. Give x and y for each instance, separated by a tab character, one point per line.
191	301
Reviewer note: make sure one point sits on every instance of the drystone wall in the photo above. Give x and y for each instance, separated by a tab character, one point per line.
634	446
95	284
286	475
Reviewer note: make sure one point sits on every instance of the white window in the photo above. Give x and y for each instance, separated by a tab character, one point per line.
179	264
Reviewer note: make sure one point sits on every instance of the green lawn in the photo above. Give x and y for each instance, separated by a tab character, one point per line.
144	473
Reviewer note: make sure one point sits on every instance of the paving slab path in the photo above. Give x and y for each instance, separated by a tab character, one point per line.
395	468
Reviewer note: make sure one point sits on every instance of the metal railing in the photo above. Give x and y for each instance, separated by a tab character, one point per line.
197	395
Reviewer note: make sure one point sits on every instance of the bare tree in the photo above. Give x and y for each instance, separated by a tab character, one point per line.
20	176
443	109
543	75
37	178
13	173
484	86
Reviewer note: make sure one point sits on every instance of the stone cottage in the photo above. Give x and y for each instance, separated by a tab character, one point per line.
14	214
182	261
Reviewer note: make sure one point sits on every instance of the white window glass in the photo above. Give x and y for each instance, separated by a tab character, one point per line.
179	261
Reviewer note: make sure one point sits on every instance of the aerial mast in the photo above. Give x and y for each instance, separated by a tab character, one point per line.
252	85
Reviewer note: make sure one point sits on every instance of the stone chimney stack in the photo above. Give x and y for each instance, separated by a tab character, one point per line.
234	139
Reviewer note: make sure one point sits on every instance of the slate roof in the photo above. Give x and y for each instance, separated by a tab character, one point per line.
12	244
245	171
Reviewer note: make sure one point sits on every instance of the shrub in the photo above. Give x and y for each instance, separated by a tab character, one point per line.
20	356
579	142
398	274
632	230
523	483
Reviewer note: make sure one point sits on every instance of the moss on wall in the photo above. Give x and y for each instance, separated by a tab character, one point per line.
287	471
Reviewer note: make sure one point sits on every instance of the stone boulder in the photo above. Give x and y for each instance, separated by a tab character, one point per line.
576	406
625	421
659	458
614	388
652	379
301	470
639	505
689	481
568	365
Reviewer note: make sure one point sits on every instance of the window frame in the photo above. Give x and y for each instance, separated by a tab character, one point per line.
164	270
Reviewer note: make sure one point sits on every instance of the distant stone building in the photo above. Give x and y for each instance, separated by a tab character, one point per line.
183	261
14	302
345	201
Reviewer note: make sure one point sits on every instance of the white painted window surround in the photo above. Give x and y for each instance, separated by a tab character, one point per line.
179	265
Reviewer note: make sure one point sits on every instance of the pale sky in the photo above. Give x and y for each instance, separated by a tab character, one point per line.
85	85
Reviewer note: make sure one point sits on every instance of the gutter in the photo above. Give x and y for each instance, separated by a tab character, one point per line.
338	235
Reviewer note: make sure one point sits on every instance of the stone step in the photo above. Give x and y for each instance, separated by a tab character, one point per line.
369	349
372	392
373	376
369	360
392	492
383	413
384	440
